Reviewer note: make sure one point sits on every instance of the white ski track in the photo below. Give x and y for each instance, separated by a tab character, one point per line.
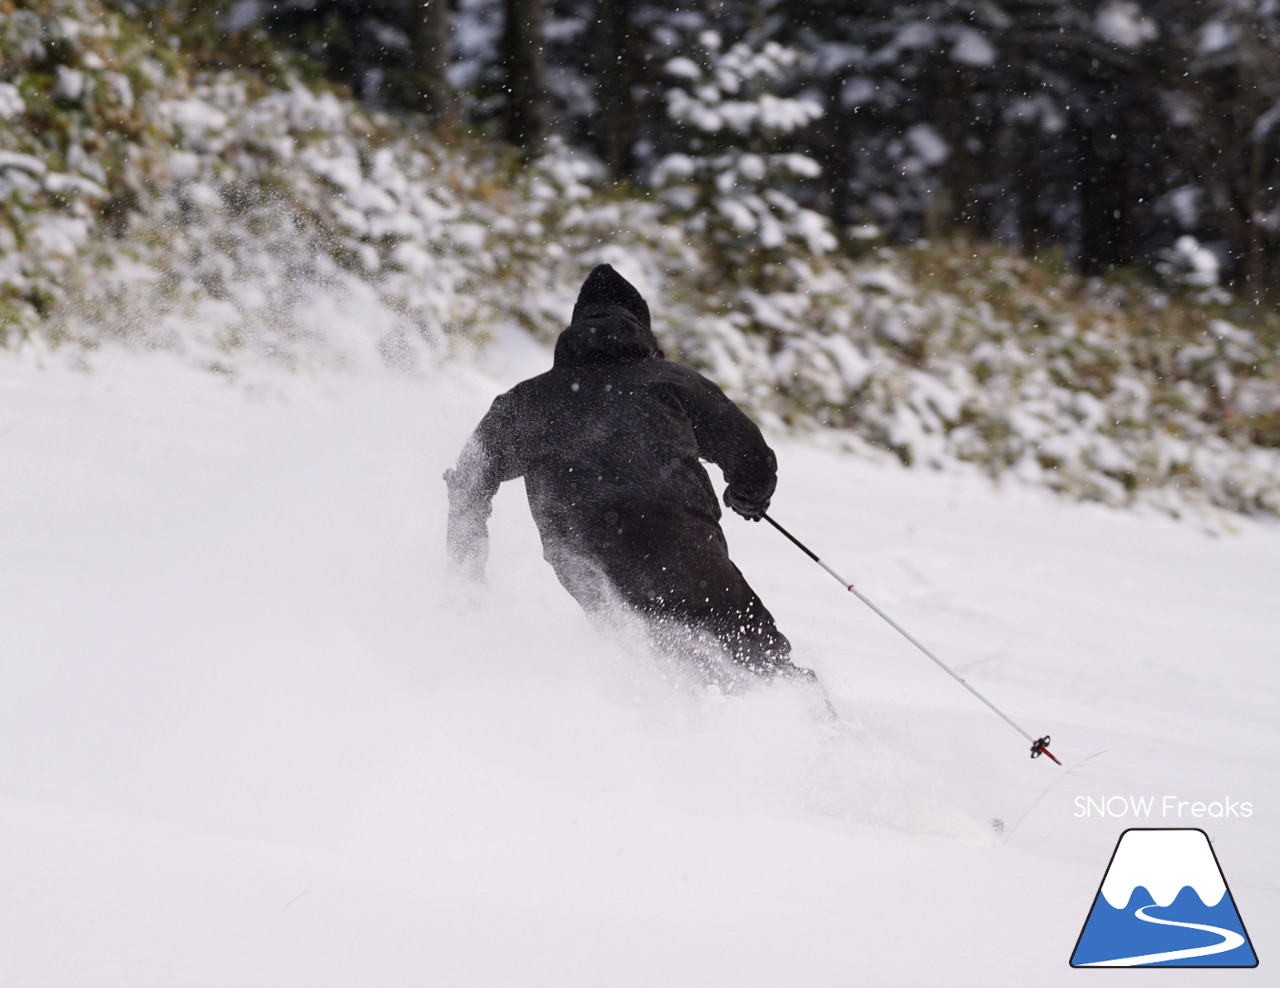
1230	941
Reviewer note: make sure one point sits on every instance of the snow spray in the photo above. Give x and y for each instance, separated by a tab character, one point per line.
1039	746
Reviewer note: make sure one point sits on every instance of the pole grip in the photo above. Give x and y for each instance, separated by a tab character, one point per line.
794	541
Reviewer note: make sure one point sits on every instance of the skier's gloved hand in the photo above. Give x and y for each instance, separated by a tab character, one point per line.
750	509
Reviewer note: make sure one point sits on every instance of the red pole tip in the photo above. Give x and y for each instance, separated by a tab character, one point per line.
1050	754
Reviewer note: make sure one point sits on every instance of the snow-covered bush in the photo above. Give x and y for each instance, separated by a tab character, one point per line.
1189	262
77	144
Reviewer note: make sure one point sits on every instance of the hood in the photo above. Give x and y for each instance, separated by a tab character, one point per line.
610	323
605	289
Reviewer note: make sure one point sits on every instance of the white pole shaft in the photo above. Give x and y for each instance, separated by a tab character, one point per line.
902	631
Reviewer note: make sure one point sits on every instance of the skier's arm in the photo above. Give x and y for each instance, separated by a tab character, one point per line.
483	464
732	442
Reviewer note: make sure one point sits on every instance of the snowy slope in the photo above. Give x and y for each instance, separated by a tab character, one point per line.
244	742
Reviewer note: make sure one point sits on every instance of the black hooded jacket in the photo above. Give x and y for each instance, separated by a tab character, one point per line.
609	442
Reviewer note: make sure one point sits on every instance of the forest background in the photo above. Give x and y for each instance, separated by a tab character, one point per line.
1038	239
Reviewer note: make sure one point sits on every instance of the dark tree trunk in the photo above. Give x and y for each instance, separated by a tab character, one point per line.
525	70
962	174
429	28
1027	181
1255	267
615	66
837	139
1106	233
1257	82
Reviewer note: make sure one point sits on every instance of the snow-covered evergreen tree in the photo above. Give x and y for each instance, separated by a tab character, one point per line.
729	174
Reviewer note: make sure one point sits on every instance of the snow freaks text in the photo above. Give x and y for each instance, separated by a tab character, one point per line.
1164	807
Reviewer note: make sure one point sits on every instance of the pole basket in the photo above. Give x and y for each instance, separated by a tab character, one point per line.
1041	747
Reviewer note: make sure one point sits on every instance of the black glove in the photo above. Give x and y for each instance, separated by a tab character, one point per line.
750	509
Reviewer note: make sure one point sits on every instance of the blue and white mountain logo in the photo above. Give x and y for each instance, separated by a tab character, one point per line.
1164	903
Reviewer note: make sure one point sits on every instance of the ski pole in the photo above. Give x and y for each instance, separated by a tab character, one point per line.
1039	746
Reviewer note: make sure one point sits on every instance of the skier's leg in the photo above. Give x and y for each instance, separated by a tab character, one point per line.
753	640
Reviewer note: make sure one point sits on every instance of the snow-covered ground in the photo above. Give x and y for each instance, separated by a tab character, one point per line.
244	742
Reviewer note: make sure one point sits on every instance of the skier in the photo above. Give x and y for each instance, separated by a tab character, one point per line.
608	442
